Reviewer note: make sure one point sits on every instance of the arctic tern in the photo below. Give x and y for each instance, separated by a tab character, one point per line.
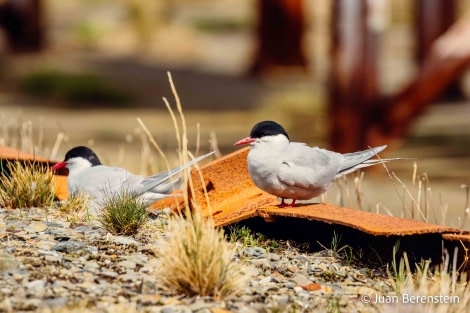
89	177
293	170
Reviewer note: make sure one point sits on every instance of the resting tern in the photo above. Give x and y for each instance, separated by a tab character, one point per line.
293	170
88	176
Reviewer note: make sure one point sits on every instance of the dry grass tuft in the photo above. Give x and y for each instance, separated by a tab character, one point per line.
123	213
196	259
25	185
194	256
438	292
75	209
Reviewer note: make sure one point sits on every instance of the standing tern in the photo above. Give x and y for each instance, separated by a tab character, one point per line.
293	170
89	177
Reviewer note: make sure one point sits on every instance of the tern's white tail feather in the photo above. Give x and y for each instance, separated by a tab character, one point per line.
366	163
152	182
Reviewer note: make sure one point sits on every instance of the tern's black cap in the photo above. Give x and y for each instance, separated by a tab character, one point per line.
267	128
83	152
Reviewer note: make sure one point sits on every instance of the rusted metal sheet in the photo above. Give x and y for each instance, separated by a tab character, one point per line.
464	237
61	190
231	193
371	223
7	153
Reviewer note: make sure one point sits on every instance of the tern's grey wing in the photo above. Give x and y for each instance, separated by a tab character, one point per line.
352	160
101	180
308	168
153	181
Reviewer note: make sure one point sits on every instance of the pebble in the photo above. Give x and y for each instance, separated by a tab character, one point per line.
300	279
7	262
52	264
124	240
127	264
68	246
35	227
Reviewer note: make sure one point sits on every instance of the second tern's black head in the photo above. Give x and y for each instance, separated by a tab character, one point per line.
83	152
267	128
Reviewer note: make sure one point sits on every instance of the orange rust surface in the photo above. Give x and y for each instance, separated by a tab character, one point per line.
464	237
7	153
61	190
371	223
231	193
175	203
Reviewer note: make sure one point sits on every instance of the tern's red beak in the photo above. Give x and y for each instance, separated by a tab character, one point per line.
58	166
245	141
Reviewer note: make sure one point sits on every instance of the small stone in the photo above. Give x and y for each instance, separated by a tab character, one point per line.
5	291
265	281
7	262
292	269
250	271
148	284
91	266
280	300
247	309
300	279
82	229
149	300
277	278
6	305
290	285
36	286
262	263
30	304
56	302
53	259
175	309
54	224
251	252
302	258
68	246
311	287
46	244
123	240
127	264
146	269
273	257
109	274
35	227
137	258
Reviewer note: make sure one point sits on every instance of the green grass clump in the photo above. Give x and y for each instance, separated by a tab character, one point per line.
26	185
123	213
247	238
195	259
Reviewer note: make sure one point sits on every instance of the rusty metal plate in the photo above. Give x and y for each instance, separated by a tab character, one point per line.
231	193
371	223
464	237
7	153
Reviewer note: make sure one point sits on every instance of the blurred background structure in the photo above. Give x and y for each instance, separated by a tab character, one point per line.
337	73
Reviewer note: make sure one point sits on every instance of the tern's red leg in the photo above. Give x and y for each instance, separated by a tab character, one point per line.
287	205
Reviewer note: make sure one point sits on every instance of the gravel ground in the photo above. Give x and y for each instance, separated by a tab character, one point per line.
49	263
